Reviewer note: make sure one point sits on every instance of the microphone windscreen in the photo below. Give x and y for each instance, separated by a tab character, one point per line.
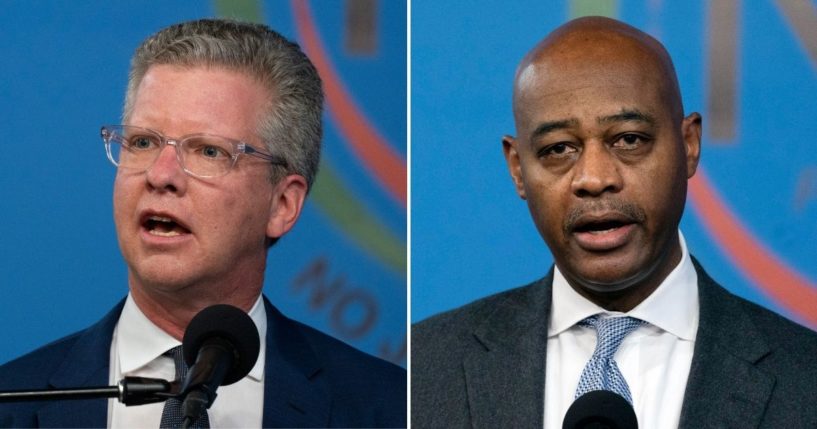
600	409
227	323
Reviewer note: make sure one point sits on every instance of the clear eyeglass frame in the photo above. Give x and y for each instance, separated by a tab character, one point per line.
199	155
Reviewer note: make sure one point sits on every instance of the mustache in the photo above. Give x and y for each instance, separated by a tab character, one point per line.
622	209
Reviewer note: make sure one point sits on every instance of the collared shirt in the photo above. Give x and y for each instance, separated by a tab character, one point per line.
137	349
654	359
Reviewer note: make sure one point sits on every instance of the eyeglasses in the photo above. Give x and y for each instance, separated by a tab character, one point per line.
200	155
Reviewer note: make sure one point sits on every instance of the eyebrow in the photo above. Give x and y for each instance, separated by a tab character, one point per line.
624	116
627	115
550	126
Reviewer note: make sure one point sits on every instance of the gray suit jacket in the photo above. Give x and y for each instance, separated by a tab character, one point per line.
483	365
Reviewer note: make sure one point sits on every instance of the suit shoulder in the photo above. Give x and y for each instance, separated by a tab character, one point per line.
336	353
439	342
791	340
782	332
42	362
463	320
32	369
367	391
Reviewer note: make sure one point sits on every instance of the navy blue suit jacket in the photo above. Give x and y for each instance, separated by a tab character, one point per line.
311	380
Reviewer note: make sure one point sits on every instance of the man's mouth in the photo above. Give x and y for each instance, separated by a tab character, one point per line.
163	226
601	227
603	233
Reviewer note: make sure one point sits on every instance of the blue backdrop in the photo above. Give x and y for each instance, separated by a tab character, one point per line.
63	74
750	68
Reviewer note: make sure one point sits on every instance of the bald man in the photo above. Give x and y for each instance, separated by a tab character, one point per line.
602	155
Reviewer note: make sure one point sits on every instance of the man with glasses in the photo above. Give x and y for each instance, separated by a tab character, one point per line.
219	147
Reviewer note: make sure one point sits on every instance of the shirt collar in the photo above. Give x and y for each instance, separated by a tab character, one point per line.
140	341
672	307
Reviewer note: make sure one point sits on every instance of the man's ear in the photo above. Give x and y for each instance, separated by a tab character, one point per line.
691	132
288	199
512	158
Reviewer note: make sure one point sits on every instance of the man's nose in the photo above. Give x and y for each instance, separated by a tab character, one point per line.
166	173
596	171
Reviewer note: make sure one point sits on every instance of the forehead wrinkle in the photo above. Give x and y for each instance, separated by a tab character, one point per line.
628	114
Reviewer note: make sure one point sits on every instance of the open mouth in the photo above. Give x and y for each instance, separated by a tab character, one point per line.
603	233
163	226
601	227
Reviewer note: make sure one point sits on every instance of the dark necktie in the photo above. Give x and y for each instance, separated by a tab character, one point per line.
601	371
172	416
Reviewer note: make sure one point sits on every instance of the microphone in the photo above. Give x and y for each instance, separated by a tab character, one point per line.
221	346
600	409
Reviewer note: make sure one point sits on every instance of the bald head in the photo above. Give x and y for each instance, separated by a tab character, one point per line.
596	50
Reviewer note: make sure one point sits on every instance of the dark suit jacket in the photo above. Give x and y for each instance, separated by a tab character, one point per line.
311	380
483	365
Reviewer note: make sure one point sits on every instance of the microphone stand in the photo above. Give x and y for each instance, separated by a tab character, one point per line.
129	391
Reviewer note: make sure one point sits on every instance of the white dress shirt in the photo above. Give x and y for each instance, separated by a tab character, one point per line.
137	350
654	359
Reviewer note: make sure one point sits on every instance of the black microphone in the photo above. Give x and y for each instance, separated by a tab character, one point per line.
600	409
221	346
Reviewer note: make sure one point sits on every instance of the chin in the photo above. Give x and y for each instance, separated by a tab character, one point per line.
607	285
610	276
161	280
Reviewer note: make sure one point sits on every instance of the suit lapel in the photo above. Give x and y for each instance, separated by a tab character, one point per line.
725	388
295	390
85	365
507	371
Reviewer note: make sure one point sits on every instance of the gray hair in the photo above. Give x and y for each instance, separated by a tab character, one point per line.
292	126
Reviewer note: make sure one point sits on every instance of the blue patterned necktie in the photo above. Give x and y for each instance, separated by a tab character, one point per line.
172	416
601	371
